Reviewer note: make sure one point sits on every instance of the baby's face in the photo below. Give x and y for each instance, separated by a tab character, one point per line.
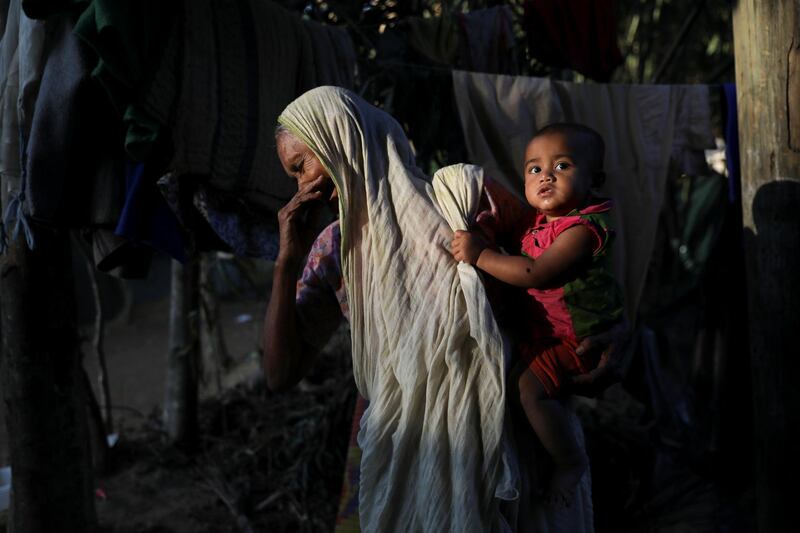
557	177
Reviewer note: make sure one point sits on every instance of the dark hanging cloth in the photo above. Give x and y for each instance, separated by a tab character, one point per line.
75	163
73	154
732	143
42	9
577	34
479	41
487	40
435	38
208	78
146	217
212	82
118	256
334	54
129	38
219	220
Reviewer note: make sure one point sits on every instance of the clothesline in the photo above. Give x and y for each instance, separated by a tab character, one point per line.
416	66
438	68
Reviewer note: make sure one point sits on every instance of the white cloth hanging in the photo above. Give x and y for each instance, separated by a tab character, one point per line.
645	127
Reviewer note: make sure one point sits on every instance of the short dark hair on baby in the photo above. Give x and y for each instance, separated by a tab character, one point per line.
590	143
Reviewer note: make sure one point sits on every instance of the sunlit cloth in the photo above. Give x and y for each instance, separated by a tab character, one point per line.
646	129
427	353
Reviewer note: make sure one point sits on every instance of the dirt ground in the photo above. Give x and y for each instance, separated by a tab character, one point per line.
264	462
274	462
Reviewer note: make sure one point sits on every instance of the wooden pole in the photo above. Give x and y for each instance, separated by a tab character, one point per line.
52	485
180	406
215	358
97	340
767	56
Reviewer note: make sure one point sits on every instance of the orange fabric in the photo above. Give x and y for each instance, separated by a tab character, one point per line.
553	364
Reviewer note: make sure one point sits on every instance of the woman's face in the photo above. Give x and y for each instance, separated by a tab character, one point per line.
300	163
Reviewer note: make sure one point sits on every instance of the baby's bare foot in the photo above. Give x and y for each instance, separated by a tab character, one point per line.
561	491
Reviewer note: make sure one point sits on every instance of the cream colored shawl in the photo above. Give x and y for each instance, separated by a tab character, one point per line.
427	353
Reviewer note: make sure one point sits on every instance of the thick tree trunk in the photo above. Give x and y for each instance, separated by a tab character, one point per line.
767	52
180	406
42	386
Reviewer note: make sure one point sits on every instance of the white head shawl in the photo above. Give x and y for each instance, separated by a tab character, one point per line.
426	351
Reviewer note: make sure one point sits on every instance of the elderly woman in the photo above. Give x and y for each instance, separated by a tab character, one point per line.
427	353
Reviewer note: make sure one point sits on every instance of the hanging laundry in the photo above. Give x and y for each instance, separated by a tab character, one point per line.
131	42
428	120
645	128
146	217
62	145
220	221
576	34
118	256
488	40
24	51
481	40
242	62
732	143
334	54
21	66
74	159
225	72
129	38
42	9
690	224
436	38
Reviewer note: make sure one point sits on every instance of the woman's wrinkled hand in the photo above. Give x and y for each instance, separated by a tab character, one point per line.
298	219
467	246
612	364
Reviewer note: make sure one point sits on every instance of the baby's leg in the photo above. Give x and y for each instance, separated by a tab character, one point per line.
550	420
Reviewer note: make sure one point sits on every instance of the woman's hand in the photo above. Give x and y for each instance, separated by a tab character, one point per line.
467	246
297	219
612	363
285	357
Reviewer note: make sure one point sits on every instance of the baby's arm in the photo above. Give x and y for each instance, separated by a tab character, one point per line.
571	247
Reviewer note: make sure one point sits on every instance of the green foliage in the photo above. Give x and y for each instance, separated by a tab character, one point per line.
648	30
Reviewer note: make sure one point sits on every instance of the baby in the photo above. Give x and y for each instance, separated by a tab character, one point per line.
565	267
